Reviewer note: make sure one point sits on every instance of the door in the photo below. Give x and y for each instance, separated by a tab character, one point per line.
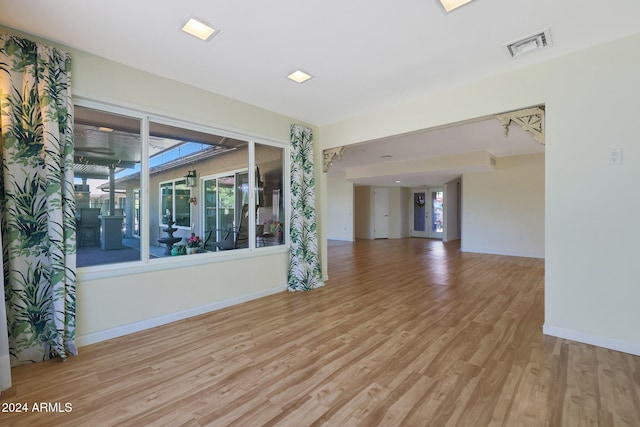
381	213
419	213
219	204
435	215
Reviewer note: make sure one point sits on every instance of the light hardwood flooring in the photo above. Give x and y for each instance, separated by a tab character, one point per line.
406	332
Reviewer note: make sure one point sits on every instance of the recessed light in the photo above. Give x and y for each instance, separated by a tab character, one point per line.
199	29
299	76
398	182
449	5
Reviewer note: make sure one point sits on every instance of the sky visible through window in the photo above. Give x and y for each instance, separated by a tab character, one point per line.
167	156
180	150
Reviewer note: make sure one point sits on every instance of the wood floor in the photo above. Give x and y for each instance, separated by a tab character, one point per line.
407	332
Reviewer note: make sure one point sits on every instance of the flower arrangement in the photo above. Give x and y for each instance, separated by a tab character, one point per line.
194	241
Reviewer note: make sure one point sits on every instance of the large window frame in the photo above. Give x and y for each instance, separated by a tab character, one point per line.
146	263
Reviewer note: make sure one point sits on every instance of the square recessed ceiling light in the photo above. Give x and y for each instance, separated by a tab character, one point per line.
449	5
299	76
199	29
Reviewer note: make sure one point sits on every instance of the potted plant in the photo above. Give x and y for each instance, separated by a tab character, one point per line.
178	250
193	244
277	230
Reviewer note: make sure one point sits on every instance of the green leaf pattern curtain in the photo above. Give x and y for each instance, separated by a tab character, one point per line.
304	264
37	200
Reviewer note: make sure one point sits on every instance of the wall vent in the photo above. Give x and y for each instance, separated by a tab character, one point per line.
529	43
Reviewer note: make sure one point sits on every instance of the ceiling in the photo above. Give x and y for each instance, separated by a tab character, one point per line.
363	54
386	161
105	140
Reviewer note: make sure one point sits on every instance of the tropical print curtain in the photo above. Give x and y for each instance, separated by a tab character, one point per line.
36	200
304	264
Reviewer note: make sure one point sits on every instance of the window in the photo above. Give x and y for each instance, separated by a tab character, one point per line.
212	208
270	201
137	183
174	204
108	151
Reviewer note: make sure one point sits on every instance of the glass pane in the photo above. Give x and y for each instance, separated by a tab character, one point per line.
106	172
200	207
226	194
437	219
419	208
270	213
242	209
182	206
210	208
166	204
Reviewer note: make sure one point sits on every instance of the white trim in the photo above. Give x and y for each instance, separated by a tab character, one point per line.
598	341
119	331
253	203
5	372
224	174
503	253
144	202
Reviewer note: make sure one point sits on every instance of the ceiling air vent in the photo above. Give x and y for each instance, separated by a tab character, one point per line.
527	44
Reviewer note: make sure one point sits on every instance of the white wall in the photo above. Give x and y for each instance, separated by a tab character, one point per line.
363	212
112	307
452	201
399	203
592	279
591	217
340	205
504	210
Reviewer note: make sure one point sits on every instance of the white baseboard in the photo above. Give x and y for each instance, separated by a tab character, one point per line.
598	341
5	372
505	253
96	337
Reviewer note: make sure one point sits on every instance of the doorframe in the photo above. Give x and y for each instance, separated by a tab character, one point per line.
430	233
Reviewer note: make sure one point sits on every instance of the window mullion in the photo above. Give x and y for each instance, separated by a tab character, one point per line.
252	195
174	214
144	191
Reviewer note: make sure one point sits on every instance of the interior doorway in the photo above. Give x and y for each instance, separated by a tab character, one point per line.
435	223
